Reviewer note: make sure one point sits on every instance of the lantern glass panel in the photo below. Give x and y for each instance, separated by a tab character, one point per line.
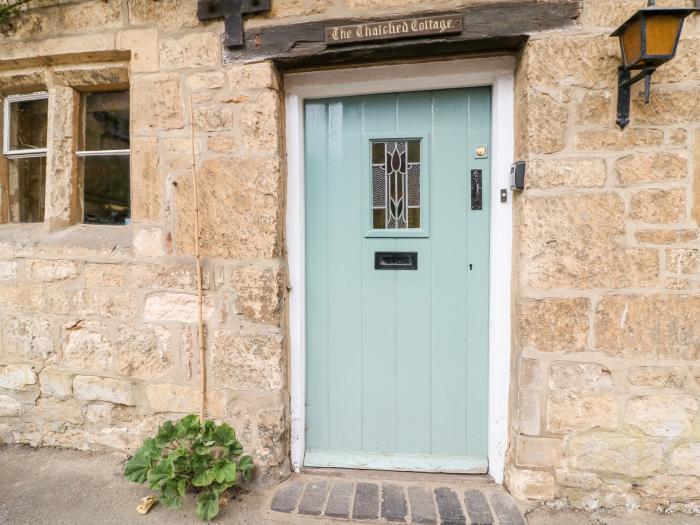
662	33
632	43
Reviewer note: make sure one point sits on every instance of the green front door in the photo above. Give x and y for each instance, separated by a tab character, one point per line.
397	272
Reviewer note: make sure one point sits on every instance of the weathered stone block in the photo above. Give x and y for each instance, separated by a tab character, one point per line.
9	406
148	242
143	44
529	412
666	236
51	271
60	411
258	292
22	298
658	206
208	80
27	338
185	399
8	270
538	452
658	376
652	326
272	428
667	106
169	276
685	459
618	140
651	168
156	104
682	261
143	351
105	275
89	15
213	117
577	412
89	388
529	373
672	487
55	383
607	13
85	347
247	230
146	179
572	173
248	361
259	123
289	8
168	14
554	325
668	416
111	304
615	454
177	307
532	484
695	214
261	75
191	50
17	377
596	108
585	254
222	143
89	76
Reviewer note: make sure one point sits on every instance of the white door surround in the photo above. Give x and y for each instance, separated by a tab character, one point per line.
497	72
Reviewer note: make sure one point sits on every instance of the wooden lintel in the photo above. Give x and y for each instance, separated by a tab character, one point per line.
486	27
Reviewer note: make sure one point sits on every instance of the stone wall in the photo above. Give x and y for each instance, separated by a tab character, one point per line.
606	384
97	324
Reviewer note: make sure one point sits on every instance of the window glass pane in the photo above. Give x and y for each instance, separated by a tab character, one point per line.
107	198
106	124
27	186
396	199
28	124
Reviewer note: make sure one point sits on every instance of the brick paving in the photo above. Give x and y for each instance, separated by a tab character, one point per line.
376	501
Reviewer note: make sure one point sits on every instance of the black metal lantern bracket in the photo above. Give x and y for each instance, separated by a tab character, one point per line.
647	63
232	11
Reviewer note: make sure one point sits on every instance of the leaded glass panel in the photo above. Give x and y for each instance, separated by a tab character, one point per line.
396	195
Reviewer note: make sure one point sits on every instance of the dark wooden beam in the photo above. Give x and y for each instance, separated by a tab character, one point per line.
486	27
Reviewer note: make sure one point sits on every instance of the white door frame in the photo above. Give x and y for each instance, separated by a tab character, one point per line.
496	72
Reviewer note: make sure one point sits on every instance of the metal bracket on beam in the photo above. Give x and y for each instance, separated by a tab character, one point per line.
232	11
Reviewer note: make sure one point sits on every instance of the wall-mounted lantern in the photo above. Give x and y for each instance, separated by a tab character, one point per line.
648	39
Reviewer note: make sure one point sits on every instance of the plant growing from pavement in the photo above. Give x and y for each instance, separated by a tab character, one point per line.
191	456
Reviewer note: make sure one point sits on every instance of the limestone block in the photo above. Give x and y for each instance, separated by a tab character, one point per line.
246	230
203	81
580	377
695	214
577	412
213	117
143	44
248	361
110	304
528	412
89	15
27	338
258	292
261	75
585	61
529	373
200	49
143	351
260	122
554	325
667	106
650	326
658	376
585	254
571	173
90	388
575	479
668	416
658	206
288	8
672	487
51	271
532	484
682	261
611	453
666	236
685	459
55	383
685	66
177	307
21	298
60	411
630	137
222	143
9	406
17	377
596	108
167	14
173	276
607	13
185	399
651	168
148	242
105	275
146	179
89	76
272	427
62	300
538	452
156	103
85	347
8	270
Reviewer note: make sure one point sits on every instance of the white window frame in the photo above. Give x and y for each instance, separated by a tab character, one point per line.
20	153
497	72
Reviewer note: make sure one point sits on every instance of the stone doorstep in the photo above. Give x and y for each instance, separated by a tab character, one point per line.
309	498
